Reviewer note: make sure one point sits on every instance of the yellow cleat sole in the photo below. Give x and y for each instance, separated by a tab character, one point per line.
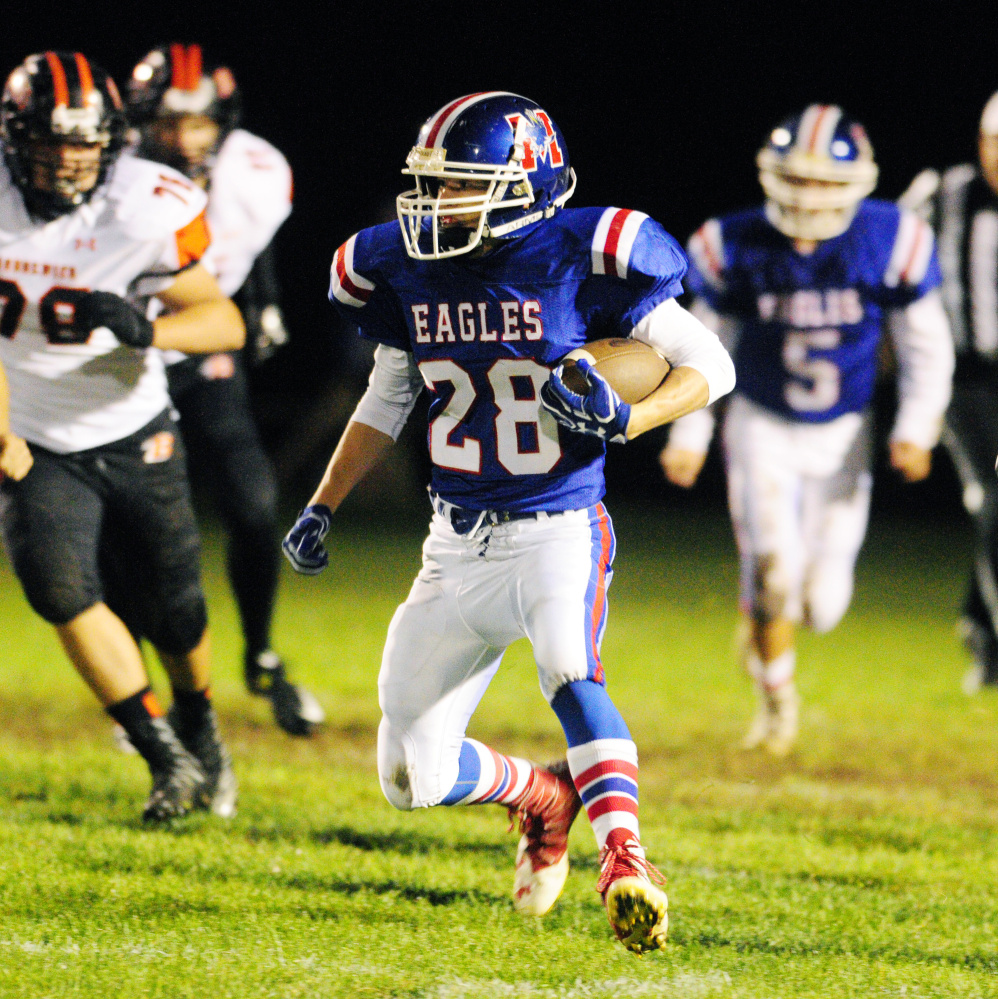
638	913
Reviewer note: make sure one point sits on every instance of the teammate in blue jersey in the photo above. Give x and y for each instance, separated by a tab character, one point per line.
800	290
485	284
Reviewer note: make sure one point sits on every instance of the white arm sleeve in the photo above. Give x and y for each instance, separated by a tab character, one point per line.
684	341
392	389
924	351
694	431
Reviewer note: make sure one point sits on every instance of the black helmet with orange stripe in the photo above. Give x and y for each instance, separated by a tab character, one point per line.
172	84
51	102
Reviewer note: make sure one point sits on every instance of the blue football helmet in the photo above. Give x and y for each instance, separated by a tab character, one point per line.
815	169
490	165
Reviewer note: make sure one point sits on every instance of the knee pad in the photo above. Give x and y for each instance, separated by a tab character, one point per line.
827	594
411	778
396	771
396	786
178	627
57	599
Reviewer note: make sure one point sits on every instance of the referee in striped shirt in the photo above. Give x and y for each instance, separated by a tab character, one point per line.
962	205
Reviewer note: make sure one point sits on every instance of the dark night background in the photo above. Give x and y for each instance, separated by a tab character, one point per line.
662	112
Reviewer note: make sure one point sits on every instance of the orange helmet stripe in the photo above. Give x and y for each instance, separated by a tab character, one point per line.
193	66
86	77
59	83
178	63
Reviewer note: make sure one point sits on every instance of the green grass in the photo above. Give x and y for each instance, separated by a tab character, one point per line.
864	865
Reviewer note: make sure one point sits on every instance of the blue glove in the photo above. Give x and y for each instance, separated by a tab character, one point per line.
600	412
303	544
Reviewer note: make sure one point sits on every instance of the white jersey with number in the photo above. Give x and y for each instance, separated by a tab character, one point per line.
248	198
75	389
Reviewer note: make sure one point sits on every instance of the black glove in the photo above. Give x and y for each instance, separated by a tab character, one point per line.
104	308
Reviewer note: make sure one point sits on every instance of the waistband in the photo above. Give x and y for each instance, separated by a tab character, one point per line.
466	521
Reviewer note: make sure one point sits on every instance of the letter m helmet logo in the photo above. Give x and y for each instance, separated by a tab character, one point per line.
549	149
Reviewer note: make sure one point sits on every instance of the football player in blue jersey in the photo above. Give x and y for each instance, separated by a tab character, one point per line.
475	296
800	290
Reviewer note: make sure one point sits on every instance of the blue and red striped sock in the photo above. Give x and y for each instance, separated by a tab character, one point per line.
603	760
485	776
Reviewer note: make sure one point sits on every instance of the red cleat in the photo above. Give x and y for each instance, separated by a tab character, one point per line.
638	910
546	813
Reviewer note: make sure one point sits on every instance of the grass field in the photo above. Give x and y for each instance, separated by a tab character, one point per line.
864	865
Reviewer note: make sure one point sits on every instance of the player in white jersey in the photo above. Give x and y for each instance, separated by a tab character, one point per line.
476	295
802	289
85	238
187	117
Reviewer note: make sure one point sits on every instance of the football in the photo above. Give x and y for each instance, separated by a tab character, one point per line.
633	369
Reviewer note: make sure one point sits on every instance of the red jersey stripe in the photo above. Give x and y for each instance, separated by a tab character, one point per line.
362	294
612	241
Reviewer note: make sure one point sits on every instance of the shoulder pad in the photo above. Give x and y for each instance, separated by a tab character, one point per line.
912	249
152	201
613	240
252	168
363	260
346	284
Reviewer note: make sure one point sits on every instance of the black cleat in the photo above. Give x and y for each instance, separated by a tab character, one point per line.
204	743
295	709
177	779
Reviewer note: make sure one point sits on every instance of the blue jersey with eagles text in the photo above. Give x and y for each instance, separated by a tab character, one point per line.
810	324
486	330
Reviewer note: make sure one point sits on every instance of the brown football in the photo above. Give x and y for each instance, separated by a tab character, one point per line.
633	369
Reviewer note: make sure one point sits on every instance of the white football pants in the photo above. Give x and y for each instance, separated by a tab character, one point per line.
475	595
799	495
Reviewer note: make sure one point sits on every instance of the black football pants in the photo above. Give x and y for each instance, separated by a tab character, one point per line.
971	437
115	524
212	396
